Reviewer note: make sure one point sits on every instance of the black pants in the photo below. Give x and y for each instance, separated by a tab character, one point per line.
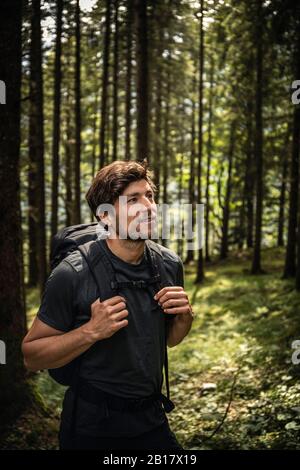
160	437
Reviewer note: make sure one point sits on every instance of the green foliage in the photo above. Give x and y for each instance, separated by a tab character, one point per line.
245	326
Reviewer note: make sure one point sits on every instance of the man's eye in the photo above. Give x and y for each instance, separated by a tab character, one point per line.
132	200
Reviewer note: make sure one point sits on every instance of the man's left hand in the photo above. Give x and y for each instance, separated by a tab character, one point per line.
174	299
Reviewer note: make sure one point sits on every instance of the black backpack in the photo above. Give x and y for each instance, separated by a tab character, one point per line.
85	238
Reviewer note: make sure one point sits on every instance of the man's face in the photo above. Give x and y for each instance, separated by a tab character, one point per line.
136	212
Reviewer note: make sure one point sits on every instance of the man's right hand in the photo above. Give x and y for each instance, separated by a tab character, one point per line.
107	318
45	347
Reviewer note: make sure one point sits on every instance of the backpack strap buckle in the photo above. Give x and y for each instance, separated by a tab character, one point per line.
114	285
167	403
139	283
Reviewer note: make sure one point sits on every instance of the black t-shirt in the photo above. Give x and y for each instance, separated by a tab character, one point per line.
128	364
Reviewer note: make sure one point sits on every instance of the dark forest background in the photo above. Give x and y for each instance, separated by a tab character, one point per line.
202	90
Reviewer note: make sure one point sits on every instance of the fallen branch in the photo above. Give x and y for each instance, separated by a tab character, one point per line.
227	409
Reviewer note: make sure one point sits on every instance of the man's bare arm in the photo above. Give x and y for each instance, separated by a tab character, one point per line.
45	347
173	299
179	328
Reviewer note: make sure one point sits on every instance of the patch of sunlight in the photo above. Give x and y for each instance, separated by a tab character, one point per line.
213	309
32	304
216	345
220	285
51	392
209	274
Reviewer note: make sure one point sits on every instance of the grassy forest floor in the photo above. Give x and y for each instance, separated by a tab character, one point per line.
232	377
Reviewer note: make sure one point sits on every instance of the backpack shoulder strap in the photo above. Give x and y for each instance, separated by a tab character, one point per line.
93	257
157	264
159	269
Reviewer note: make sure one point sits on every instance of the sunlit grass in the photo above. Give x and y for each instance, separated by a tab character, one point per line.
244	323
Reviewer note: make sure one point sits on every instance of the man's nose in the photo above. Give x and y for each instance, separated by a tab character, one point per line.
147	204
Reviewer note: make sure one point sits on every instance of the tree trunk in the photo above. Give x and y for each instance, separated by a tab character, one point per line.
116	84
166	157
158	130
77	203
226	207
56	119
180	188
103	121
69	164
33	269
209	150
94	137
296	145
94	146
258	144
12	318
128	79
192	199
142	79
200	267
282	197
158	113
36	146
246	220
290	258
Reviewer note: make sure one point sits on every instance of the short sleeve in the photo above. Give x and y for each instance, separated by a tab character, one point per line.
57	306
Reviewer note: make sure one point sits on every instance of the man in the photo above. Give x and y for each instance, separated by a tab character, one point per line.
123	340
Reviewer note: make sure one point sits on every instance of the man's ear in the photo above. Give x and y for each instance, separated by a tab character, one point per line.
104	218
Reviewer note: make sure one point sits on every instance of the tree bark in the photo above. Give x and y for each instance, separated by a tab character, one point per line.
180	190
258	144
142	78
296	145
36	182
246	216
103	121
128	79
77	192
166	157
192	193
13	396
290	257
56	119
69	164
200	267
226	207
209	151
158	113
282	197
116	84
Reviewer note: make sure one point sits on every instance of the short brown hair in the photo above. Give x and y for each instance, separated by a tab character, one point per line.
110	182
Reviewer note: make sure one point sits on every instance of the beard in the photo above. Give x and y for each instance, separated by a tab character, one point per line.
136	234
129	240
